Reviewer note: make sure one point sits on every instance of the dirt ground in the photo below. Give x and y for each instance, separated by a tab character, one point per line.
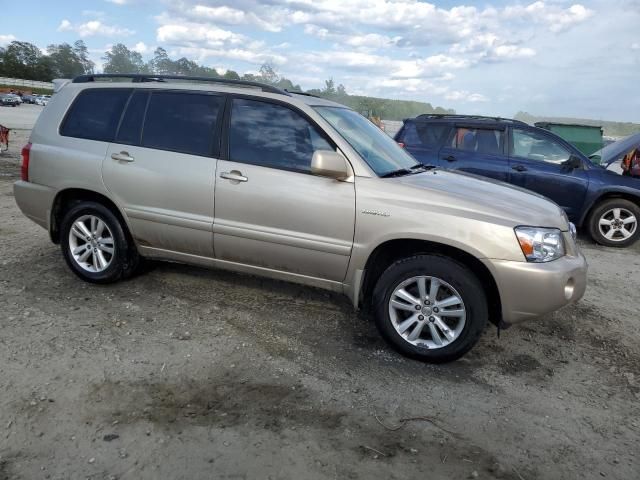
188	373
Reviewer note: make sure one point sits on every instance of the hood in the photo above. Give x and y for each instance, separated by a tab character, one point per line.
472	195
615	150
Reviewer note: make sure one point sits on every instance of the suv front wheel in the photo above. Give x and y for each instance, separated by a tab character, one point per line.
430	308
614	223
95	245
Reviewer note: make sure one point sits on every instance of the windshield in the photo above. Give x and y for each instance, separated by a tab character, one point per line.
379	150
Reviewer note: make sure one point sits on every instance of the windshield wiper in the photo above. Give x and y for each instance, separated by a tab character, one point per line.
397	173
422	167
417	168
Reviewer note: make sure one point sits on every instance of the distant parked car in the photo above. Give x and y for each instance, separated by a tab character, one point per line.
42	99
29	99
607	205
9	100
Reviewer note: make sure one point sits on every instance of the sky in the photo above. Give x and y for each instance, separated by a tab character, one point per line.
553	57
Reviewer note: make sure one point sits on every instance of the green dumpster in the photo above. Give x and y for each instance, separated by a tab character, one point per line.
586	138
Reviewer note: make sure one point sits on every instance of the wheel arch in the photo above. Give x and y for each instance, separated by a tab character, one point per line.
608	195
392	250
66	198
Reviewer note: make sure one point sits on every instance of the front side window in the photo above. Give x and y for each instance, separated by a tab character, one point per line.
479	140
183	122
271	135
375	147
535	146
95	114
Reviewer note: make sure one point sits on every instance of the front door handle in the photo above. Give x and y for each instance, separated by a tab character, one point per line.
122	157
519	168
234	175
450	158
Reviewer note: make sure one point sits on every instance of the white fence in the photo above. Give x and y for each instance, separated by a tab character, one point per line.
25	83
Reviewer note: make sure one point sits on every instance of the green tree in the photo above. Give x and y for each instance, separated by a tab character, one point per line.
122	60
64	62
231	75
82	52
268	74
329	88
161	63
24	60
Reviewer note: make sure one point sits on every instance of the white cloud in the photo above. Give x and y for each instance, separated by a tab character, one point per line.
142	48
556	18
634	46
4	39
465	96
118	2
94	28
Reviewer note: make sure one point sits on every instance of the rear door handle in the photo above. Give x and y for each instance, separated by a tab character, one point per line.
519	168
234	175
122	157
450	158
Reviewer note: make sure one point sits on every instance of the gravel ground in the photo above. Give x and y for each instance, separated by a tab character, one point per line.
189	373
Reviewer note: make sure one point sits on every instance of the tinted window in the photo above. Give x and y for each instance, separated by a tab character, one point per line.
95	114
419	134
273	136
182	122
479	140
535	146
131	124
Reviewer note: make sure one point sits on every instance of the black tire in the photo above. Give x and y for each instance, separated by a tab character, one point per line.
125	259
603	210
457	275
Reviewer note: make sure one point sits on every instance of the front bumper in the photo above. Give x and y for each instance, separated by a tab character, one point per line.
528	290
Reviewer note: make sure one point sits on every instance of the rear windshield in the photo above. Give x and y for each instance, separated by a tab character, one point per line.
95	114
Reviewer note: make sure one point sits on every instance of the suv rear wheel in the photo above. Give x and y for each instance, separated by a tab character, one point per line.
430	308
614	223
95	245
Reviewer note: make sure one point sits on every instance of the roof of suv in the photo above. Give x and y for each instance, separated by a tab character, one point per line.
474	118
198	83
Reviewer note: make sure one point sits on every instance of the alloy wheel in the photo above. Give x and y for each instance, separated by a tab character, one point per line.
91	243
427	311
617	224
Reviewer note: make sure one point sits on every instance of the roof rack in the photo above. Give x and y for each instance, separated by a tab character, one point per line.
467	117
306	94
141	77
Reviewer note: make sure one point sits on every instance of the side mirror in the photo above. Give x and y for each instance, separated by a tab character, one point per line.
573	162
328	163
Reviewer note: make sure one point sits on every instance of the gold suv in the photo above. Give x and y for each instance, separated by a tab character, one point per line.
247	177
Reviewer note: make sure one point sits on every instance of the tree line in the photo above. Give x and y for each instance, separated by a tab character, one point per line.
25	60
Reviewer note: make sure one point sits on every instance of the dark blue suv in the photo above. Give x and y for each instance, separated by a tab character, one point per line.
603	202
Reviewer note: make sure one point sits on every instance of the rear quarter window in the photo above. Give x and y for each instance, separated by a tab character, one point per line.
95	114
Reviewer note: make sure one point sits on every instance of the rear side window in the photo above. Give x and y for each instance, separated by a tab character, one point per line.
479	140
420	134
95	114
183	122
131	124
273	136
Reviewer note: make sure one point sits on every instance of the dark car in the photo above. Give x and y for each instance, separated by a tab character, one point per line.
603	202
29	99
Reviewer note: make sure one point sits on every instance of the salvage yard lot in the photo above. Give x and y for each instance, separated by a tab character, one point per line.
190	373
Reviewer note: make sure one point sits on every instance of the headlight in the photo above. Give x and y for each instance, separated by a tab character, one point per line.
540	244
